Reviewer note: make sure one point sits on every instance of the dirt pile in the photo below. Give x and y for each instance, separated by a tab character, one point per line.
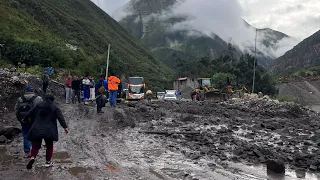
304	92
251	131
12	85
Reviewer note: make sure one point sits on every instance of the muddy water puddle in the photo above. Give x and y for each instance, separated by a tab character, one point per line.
260	172
62	157
76	171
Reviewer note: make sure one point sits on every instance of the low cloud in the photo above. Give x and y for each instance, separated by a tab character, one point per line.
223	18
297	18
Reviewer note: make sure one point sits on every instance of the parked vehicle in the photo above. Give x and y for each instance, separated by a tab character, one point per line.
160	95
136	88
170	97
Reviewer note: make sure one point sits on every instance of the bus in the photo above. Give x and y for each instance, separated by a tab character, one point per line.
136	88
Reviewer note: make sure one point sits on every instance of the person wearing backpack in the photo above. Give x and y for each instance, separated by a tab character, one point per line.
100	91
23	105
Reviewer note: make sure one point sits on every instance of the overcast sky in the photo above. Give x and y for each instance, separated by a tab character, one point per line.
297	18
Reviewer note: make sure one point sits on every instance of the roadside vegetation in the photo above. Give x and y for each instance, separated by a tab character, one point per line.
73	35
302	74
239	70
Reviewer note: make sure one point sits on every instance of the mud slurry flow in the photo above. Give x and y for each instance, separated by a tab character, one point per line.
235	140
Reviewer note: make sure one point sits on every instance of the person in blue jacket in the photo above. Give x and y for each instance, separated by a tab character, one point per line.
86	89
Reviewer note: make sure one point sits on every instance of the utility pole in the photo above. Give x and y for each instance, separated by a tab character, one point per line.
254	62
107	68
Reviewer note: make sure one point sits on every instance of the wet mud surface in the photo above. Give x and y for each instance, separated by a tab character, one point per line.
234	141
167	140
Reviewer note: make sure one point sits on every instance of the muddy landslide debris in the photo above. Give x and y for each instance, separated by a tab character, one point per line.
12	85
249	131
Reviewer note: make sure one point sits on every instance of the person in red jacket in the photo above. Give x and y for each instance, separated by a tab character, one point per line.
113	83
68	85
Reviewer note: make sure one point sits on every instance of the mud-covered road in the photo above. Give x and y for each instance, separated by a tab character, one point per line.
235	139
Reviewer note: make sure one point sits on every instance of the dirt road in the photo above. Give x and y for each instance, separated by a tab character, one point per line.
109	146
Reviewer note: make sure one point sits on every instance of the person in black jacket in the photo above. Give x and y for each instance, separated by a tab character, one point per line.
100	90
75	85
44	126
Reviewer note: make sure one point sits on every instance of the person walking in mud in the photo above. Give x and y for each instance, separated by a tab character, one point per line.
149	95
45	81
24	104
193	95
179	95
68	85
99	92
44	127
113	85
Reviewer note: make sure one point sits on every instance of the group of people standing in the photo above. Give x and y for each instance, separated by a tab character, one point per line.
81	89
87	89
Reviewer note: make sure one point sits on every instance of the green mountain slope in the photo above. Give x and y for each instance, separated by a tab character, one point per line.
36	32
149	22
304	55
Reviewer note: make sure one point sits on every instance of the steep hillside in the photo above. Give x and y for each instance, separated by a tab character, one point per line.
152	22
304	55
73	35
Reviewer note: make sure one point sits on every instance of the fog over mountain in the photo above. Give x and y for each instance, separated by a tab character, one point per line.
223	18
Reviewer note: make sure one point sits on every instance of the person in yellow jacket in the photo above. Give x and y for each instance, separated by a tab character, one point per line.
113	83
149	95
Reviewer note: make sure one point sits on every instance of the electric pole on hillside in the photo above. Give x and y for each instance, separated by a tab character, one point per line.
107	68
254	62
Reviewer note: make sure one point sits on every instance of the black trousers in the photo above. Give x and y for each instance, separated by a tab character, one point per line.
45	86
100	102
76	92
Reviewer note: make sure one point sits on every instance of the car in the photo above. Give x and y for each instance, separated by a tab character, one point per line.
170	97
160	95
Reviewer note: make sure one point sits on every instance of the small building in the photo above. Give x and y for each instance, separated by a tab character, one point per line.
185	83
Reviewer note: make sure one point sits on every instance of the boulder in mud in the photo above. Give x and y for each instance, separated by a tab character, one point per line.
9	132
313	167
276	166
3	139
258	153
301	173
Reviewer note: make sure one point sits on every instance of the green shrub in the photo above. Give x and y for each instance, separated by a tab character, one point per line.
219	80
21	67
5	64
35	70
